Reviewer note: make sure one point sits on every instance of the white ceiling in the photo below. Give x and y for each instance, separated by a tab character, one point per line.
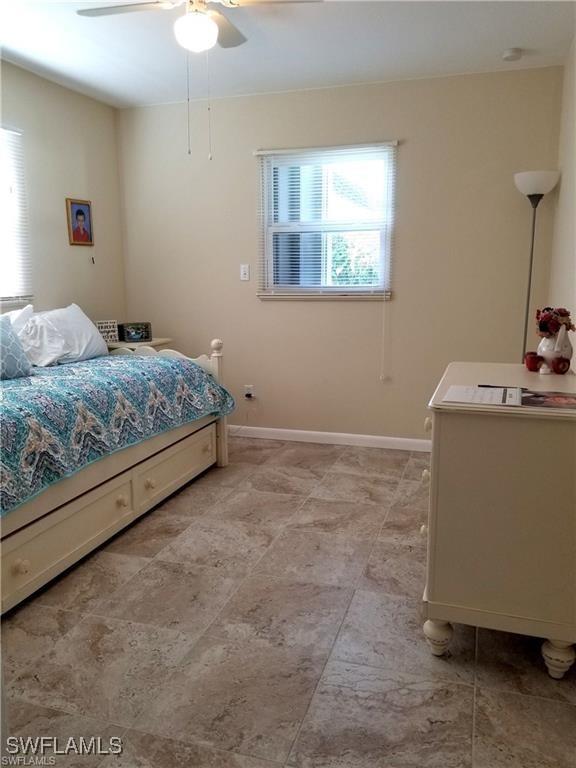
133	59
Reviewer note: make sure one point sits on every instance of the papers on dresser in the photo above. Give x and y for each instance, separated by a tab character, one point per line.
483	395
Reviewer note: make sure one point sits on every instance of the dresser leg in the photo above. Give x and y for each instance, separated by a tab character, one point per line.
558	657
438	634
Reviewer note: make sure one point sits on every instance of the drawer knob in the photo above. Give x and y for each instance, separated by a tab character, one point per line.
21	567
428	424
149	484
206	448
424	530
122	501
425	475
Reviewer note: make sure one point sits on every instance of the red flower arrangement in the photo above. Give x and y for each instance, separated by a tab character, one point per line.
550	320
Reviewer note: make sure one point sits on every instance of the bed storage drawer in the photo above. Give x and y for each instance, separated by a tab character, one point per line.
160	475
42	550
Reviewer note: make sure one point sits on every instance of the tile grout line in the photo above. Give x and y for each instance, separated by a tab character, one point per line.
105	723
157	556
388	510
474	698
549	699
206	631
389	670
313	694
281	531
85	615
337	633
199	743
102	550
250	573
384	521
284	528
344	617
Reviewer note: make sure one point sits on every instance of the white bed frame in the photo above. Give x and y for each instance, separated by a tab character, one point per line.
69	519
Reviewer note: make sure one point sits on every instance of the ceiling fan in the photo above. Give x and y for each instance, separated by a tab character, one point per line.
201	27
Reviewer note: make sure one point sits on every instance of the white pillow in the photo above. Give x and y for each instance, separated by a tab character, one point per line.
61	336
42	341
19	317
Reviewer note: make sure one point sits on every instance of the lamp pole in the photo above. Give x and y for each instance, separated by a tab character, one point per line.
534	202
533	184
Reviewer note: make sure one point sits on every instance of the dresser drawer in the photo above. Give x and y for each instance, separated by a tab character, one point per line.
37	553
159	476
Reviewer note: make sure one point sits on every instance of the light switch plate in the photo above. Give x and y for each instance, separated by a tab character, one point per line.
244	271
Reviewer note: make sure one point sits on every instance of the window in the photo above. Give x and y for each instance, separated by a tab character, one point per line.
15	274
327	218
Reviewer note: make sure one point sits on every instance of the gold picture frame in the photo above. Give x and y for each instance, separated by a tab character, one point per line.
80	221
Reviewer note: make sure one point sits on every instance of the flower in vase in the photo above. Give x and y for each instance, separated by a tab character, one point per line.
550	320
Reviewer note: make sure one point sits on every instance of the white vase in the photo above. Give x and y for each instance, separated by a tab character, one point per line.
554	347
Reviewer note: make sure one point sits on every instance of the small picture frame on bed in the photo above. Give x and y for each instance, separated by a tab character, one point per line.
80	222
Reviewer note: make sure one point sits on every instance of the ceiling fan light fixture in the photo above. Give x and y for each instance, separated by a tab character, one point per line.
196	31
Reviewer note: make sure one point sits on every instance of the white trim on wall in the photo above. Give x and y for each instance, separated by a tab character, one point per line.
333	438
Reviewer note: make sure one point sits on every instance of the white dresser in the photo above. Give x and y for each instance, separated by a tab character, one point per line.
502	525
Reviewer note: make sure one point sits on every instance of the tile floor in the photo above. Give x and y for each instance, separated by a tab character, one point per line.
268	615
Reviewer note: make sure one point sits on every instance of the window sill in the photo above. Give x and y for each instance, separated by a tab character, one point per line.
9	303
386	296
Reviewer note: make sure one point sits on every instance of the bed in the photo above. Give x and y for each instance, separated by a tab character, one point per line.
88	447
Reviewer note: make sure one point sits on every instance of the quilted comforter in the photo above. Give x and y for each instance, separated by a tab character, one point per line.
63	418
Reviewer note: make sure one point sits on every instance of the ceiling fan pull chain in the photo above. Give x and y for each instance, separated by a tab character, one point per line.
209	132
188	102
209	108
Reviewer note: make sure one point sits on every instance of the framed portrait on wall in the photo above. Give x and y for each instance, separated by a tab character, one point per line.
80	222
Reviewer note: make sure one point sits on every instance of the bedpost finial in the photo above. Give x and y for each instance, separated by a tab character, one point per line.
216	346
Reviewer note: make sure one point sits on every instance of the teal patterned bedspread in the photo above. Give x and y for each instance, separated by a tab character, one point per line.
63	418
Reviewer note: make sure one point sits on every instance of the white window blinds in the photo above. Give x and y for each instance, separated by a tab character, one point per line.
15	270
327	222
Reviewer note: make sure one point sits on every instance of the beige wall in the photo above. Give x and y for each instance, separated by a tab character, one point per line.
70	151
461	246
563	268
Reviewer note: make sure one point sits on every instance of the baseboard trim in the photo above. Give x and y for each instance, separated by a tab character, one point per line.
333	438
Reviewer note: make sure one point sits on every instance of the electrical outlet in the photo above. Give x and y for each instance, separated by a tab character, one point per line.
244	271
249	391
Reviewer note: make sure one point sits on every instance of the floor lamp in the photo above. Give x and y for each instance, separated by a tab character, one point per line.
533	184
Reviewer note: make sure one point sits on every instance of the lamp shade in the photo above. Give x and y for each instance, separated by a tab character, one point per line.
536	182
196	31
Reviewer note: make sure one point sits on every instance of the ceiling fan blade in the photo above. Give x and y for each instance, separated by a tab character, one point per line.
229	36
252	3
110	10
